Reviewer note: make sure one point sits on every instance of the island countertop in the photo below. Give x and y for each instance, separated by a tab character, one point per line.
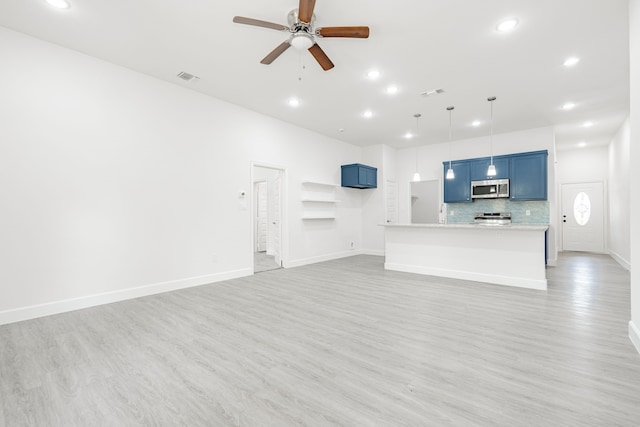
524	227
511	255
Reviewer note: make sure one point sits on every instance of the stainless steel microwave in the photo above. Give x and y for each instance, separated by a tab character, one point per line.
490	189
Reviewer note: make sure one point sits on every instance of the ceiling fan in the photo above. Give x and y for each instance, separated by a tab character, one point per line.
301	26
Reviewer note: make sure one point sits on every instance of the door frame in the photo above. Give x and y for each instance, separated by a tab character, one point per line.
605	212
284	229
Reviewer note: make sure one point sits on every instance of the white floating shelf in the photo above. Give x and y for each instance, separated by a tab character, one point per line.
320	201
318	217
319	183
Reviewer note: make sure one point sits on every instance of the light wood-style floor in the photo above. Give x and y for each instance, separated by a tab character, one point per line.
340	343
263	262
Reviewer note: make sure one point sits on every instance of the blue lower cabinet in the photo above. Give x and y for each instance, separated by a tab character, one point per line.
528	180
457	190
359	176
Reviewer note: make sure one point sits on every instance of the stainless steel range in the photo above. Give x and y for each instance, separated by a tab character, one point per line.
492	218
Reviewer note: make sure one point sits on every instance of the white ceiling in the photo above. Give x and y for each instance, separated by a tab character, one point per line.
417	45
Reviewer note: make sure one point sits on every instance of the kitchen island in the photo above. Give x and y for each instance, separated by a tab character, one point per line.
511	255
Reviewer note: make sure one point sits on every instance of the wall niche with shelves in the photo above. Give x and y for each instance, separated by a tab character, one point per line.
318	200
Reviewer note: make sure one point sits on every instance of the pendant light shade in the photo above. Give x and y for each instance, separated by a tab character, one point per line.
492	168
450	173
416	175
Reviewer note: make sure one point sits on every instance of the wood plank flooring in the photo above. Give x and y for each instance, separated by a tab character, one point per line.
340	343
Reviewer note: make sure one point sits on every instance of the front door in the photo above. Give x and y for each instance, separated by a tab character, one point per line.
583	217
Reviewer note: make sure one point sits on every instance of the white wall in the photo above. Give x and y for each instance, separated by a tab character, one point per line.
634	123
374	200
430	158
587	164
116	185
619	244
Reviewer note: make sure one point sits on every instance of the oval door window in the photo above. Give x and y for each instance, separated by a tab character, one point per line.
582	208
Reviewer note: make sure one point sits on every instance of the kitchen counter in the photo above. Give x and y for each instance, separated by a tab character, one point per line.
511	255
530	227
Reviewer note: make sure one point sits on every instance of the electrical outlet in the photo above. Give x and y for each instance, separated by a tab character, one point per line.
527	212
452	213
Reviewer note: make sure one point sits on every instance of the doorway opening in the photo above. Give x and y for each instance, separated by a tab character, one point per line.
267	217
425	202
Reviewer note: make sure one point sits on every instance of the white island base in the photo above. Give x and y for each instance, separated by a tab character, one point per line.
511	255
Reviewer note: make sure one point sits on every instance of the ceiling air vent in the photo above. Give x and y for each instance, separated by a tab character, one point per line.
432	92
187	77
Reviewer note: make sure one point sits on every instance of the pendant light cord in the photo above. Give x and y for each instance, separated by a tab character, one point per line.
450	112
491	99
417	116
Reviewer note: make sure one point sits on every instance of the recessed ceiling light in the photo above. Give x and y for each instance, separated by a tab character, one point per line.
476	123
587	124
408	135
571	61
582	144
373	74
293	102
59	4
367	114
507	25
392	90
568	106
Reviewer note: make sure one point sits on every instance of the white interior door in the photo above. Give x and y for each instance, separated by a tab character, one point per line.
261	216
392	202
583	217
277	216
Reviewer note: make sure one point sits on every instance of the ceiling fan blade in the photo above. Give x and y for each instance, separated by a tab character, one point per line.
259	23
321	57
305	10
275	53
356	32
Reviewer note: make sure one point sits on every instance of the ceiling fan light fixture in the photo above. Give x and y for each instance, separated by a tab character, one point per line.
302	41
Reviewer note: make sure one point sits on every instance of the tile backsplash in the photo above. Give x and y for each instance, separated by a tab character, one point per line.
463	213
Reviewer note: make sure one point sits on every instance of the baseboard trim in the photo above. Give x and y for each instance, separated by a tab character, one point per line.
372	252
63	306
620	260
520	282
323	258
634	335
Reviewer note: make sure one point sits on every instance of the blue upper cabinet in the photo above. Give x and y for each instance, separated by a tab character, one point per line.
458	190
359	176
528	178
479	168
527	174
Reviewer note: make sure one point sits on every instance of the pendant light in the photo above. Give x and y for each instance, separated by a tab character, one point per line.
416	175
450	173
492	168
